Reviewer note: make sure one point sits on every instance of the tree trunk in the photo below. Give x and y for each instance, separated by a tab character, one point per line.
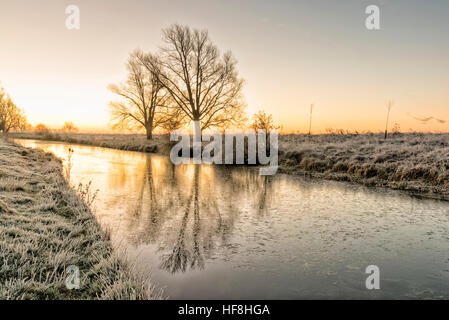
149	132
196	142
197	131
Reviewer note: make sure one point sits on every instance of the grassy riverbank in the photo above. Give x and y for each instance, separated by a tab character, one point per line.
45	227
128	142
415	162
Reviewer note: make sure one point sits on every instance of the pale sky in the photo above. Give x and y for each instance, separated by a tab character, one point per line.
291	54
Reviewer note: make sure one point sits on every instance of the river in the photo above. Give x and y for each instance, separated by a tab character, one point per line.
215	232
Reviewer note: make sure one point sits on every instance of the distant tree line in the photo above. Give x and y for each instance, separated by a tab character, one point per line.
68	127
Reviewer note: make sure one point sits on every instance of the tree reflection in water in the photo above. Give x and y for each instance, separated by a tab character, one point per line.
189	211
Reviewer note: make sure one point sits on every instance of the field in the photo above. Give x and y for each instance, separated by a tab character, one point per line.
45	226
415	162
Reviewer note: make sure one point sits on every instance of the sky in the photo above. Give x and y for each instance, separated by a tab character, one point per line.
290	53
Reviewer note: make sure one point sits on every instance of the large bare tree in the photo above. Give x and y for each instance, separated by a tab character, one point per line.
202	83
144	102
11	117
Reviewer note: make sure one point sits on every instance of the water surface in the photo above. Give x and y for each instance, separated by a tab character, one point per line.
214	232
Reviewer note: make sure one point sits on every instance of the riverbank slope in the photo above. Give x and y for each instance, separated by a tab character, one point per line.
414	162
45	227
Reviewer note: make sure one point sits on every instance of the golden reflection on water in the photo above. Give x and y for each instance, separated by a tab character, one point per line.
187	210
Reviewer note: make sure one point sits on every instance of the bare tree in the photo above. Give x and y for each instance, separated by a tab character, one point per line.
202	83
142	99
11	117
263	121
173	120
41	128
236	118
69	127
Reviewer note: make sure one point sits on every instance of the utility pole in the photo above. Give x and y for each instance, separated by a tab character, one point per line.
310	120
390	104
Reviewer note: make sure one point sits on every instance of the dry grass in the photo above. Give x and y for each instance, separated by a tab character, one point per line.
45	227
415	162
129	142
